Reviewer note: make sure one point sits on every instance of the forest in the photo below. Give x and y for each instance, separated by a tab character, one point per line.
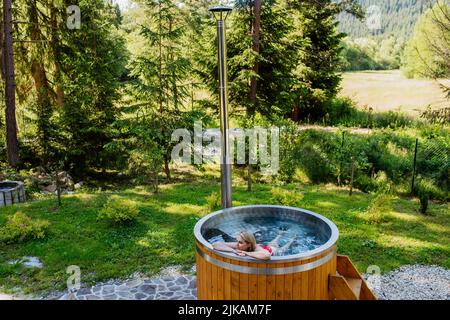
75	87
380	41
107	94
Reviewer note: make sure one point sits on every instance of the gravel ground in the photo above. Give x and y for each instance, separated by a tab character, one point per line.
412	282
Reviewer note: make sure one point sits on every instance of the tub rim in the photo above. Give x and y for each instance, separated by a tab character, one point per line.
18	185
276	259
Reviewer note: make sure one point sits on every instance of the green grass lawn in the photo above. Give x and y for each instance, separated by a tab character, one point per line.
163	234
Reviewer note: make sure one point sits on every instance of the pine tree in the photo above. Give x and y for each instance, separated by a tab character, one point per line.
92	61
161	73
319	61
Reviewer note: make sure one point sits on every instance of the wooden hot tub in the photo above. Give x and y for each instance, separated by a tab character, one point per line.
304	276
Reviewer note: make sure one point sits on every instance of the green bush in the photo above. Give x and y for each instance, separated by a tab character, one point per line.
425	187
21	227
379	209
365	184
214	202
119	210
286	197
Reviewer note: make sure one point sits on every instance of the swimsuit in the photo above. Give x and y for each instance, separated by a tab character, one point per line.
267	248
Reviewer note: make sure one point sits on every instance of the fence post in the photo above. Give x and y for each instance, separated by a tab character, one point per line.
341	158
58	189
414	167
351	177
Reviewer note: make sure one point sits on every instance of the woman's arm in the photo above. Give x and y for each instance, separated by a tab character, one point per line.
262	255
225	246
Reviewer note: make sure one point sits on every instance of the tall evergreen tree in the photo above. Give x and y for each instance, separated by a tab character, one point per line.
319	59
161	73
93	59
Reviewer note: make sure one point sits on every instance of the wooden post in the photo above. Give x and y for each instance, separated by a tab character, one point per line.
12	144
351	177
58	189
249	178
340	160
414	167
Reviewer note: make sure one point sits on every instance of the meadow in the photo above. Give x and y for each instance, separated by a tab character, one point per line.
392	91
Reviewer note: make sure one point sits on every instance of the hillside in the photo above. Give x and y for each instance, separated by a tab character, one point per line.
398	17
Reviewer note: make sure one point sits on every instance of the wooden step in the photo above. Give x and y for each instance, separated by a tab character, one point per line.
352	278
354	284
340	289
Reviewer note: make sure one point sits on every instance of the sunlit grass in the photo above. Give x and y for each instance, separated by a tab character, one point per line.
391	91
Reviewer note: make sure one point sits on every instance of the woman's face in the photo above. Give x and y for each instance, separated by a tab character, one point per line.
242	245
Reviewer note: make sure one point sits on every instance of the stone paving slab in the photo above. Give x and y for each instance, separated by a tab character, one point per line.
166	288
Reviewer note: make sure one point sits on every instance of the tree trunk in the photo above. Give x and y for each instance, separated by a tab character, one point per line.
296	111
12	143
167	169
42	86
160	61
256	31
57	56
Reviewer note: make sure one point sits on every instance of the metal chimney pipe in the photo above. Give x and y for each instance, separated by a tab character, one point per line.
225	161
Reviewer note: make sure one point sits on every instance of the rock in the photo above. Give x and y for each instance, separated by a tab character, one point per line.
30	262
181	280
68	296
84	291
125	295
149	289
134	283
140	296
51	188
65	181
108	289
78	185
193	284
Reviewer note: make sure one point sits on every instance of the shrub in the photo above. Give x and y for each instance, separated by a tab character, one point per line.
313	159
119	210
426	187
365	184
290	198
379	209
214	202
21	227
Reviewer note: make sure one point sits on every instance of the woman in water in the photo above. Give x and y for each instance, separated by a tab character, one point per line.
246	246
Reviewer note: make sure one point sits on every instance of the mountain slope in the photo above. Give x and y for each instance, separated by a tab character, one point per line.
397	17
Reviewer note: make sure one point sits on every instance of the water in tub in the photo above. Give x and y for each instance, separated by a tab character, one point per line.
266	229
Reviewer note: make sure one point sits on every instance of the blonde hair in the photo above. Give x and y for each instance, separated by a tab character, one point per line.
249	238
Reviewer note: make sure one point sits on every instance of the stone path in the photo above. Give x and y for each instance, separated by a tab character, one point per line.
165	288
